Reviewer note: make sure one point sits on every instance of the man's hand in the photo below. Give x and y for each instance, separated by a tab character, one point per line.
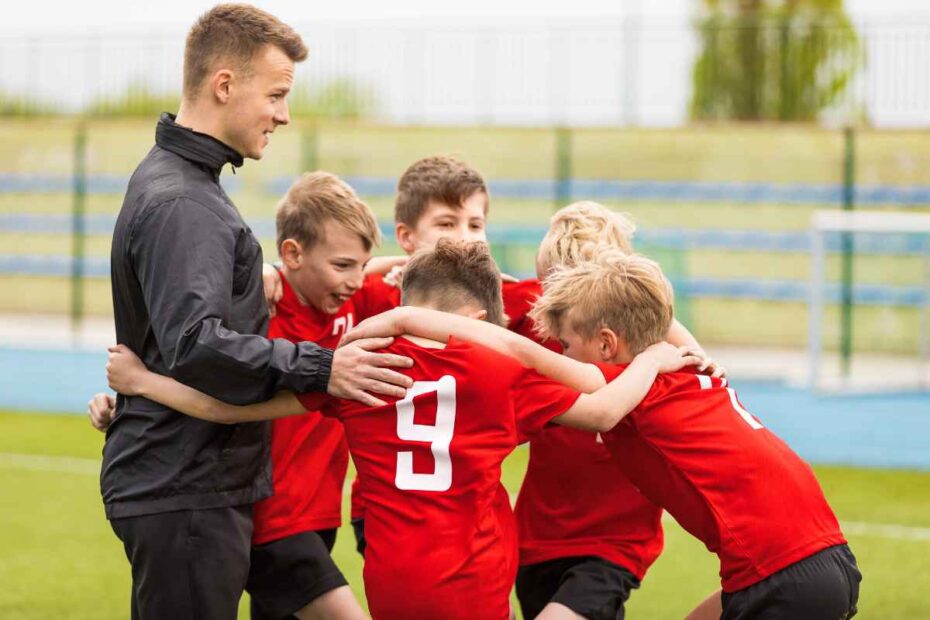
357	371
124	370
506	277
101	409
274	289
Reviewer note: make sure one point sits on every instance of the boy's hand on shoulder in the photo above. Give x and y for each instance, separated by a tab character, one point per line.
708	366
101	409
506	277
124	370
357	372
670	358
274	289
386	266
395	277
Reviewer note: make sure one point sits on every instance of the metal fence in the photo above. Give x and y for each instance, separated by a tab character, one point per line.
616	71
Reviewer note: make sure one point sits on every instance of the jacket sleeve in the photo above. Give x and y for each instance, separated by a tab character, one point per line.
183	255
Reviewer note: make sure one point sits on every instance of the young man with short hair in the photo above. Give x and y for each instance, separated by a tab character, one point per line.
187	295
689	446
442	538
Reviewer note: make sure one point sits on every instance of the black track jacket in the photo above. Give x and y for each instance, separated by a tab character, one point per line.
188	300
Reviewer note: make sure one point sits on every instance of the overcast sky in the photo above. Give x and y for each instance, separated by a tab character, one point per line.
38	16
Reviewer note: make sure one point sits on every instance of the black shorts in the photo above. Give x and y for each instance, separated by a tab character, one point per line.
358	526
187	563
823	585
288	574
588	585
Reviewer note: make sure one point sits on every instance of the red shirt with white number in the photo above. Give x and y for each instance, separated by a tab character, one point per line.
517	297
440	530
692	448
574	500
309	455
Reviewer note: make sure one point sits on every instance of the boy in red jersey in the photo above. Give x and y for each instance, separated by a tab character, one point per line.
689	446
442	540
580	555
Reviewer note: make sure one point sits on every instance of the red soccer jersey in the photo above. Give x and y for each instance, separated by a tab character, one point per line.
309	455
440	530
692	448
518	297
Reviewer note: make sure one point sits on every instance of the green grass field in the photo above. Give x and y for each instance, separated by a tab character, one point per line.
59	558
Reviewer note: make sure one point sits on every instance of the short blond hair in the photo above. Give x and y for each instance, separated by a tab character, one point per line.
575	232
453	274
625	293
318	197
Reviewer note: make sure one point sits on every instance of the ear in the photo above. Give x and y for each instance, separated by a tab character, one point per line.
480	315
608	343
406	238
221	84
291	254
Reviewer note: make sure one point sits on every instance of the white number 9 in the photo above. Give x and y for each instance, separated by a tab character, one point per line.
438	435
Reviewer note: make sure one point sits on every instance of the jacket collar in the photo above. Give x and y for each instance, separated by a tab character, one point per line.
199	148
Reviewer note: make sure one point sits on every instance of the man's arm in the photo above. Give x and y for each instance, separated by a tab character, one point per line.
441	326
127	375
184	256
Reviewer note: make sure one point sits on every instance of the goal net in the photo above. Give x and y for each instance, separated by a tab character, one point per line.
869	305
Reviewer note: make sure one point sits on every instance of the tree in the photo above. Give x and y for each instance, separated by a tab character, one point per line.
786	60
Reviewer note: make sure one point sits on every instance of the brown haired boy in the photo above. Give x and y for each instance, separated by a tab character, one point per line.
689	446
442	538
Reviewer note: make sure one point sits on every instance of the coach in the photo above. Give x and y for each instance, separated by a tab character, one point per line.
188	299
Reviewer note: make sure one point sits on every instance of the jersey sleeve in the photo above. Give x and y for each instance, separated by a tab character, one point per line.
536	400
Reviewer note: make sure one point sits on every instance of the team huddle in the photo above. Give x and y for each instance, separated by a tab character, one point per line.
427	370
621	425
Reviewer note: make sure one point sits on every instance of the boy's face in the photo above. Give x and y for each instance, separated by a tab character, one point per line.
328	274
440	220
604	346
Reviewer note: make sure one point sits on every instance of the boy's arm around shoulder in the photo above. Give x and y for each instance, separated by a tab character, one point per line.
127	375
441	326
602	410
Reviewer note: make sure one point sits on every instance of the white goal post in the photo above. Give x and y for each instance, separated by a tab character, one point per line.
827	222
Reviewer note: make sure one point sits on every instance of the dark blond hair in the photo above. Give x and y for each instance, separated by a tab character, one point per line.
625	293
440	178
318	197
577	230
234	33
454	274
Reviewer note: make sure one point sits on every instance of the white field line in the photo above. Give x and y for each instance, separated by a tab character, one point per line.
56	464
91	467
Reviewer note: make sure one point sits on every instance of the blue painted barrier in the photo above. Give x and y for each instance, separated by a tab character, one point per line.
546	189
886	430
520	234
